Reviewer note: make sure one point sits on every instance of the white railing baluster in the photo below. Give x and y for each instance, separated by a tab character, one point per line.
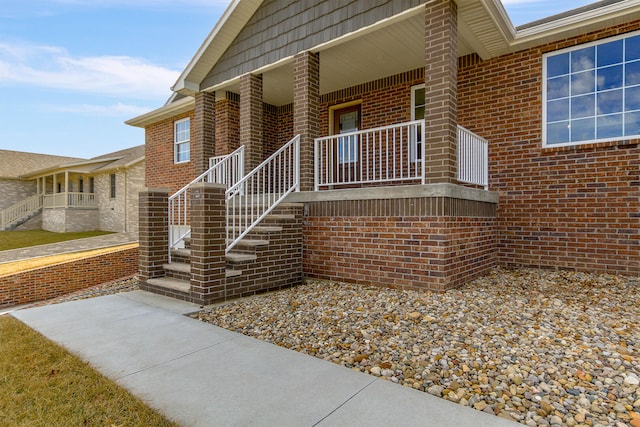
392	154
227	170
266	186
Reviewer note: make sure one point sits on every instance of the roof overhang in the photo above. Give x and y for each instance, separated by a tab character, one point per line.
484	28
169	110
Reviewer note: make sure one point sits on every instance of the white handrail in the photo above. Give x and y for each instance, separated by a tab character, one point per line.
227	170
473	155
258	193
20	210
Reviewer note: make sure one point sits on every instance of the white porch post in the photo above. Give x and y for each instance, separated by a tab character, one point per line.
66	189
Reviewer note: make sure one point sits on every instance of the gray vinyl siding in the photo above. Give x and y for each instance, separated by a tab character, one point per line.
282	28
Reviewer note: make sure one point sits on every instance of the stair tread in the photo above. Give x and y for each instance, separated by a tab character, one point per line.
181	252
168	282
233	273
238	257
265	228
273	216
182	267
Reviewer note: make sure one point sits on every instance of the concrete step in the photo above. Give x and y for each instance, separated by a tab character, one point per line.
179	267
264	229
233	273
170	283
270	217
181	252
238	257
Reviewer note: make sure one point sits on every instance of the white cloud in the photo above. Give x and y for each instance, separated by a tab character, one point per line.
54	67
116	110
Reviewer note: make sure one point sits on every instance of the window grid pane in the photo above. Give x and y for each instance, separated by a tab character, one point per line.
182	135
593	92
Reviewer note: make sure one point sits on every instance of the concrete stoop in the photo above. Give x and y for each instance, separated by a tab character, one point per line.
268	258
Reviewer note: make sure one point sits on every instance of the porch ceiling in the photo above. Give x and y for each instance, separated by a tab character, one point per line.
380	52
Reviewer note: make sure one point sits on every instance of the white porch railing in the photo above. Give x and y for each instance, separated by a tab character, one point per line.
70	200
377	155
224	170
20	210
258	193
391	154
473	158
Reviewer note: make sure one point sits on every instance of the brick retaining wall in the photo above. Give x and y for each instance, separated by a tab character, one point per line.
55	280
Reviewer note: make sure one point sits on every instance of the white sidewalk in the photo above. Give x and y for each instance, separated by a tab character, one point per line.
200	375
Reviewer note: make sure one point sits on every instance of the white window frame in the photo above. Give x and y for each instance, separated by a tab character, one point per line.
624	88
179	141
416	147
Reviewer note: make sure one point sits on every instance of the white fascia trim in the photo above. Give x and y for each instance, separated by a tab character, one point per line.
557	27
166	111
234	17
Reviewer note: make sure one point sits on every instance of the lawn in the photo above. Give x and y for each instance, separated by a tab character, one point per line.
41	384
23	239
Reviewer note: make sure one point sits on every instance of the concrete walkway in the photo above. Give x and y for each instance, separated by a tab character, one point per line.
70	246
202	375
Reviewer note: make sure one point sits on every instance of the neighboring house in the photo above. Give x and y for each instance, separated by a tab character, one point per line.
392	109
13	164
80	194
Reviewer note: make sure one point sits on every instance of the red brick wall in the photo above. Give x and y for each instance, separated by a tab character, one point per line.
55	280
574	207
384	102
161	171
434	253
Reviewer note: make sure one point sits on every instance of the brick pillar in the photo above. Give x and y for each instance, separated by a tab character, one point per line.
208	235
251	117
441	109
153	232
203	139
227	123
306	110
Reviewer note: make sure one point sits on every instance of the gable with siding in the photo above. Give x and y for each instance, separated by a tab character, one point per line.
280	29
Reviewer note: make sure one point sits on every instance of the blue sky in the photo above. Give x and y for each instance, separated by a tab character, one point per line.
72	71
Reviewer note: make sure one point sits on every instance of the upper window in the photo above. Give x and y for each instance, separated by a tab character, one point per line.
417	113
592	92
181	139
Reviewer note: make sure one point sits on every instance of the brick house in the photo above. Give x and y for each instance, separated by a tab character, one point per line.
409	144
64	194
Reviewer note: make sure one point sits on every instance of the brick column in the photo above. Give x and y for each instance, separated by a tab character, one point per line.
306	110
153	232
227	123
208	235
203	138
441	109
251	112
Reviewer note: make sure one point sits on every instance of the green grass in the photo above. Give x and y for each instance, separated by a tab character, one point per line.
41	384
23	239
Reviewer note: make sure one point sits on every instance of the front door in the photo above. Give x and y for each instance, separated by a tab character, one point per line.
347	120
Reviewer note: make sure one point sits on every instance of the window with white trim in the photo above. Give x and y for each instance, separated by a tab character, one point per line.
181	140
417	113
592	92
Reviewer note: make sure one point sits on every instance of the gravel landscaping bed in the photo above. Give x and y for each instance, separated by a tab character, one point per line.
536	346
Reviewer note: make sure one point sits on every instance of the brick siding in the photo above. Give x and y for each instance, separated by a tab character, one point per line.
55	280
160	170
421	244
572	207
